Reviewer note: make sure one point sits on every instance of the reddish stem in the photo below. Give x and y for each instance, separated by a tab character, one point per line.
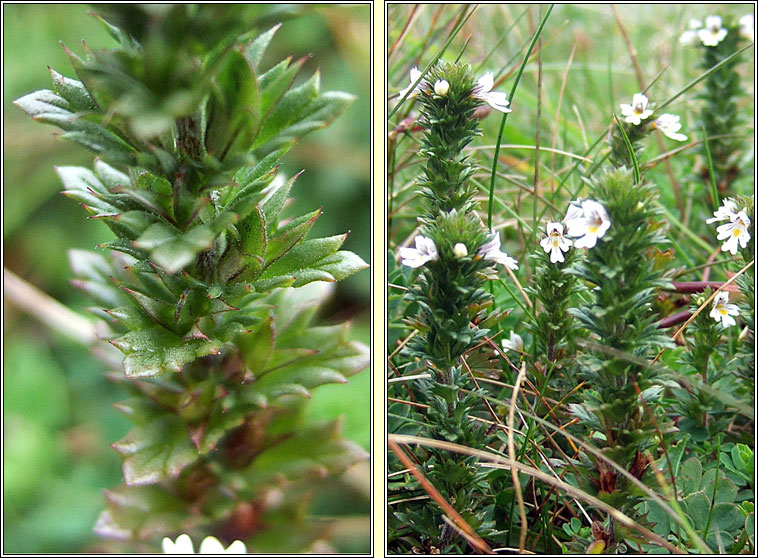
674	319
699	286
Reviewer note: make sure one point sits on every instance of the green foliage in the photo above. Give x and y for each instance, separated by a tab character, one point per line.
449	127
620	315
553	326
620	155
720	115
450	292
189	133
602	372
452	314
713	507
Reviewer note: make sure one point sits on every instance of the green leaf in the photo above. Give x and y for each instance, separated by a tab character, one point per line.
275	82
173	251
254	51
268	285
91	201
726	491
48	107
158	310
89	265
253	237
257	346
274	201
133	223
658	516
350	359
698	506
719	540
341	265
45	106
80	179
305	276
73	91
156	184
149	200
320	113
317	450
100	140
110	177
275	391
155	351
294	103
288	236
123	38
725	517
304	255
154	236
304	374
155	451
133	512
750	528
234	105
248	175
690	475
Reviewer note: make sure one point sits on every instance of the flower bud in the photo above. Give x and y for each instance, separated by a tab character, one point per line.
441	88
459	250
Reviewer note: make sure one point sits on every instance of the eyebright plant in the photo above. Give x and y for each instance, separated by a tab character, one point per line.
620	393
718	39
454	253
220	351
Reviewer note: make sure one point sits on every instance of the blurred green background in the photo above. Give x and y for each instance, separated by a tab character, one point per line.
58	419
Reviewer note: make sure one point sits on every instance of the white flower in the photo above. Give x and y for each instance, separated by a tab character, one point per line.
183	545
425	251
669	125
491	251
695	23
415	74
555	243
591	224
712	34
574	211
460	250
483	91
689	36
637	111
727	211
210	545
747	27
441	87
722	311
515	343
735	232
